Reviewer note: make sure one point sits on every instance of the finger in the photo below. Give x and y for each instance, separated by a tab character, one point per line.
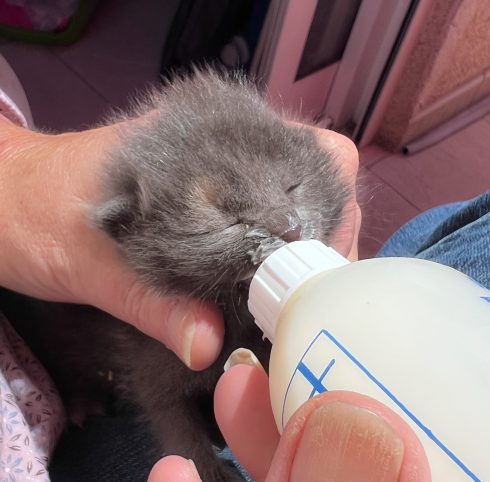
345	150
341	436
345	237
346	153
192	329
244	415
353	255
174	468
343	442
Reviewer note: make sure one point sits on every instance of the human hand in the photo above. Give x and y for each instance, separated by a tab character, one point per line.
335	436
345	238
49	248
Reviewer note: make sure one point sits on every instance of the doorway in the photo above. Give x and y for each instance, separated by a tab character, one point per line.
328	59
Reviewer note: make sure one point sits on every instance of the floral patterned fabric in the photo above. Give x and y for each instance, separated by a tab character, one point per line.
31	412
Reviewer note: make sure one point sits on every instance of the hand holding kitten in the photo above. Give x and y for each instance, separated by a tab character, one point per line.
49	249
52	251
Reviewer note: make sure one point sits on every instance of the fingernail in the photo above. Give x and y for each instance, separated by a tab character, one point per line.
343	442
182	321
195	332
242	356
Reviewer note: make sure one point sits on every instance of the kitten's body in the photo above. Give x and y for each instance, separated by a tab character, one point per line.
196	196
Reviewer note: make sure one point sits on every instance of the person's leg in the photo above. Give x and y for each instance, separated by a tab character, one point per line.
457	235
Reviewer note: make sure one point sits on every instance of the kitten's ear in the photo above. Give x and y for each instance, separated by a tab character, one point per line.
119	216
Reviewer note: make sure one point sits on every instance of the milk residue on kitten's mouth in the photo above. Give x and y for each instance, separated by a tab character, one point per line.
266	244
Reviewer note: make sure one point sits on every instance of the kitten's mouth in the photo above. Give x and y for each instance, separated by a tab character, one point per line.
265	245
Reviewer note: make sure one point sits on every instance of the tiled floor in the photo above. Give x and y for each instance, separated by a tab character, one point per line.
76	86
394	187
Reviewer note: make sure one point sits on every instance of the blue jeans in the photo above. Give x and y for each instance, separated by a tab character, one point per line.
116	448
457	235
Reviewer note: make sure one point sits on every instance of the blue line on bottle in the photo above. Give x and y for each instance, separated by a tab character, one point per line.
308	374
410	415
292	378
322	376
485	298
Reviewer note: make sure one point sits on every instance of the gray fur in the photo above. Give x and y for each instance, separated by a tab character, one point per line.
196	196
211	177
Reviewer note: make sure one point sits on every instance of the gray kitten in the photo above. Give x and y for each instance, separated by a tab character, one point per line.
195	196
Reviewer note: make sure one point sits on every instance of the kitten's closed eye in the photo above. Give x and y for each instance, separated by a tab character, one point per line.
290	189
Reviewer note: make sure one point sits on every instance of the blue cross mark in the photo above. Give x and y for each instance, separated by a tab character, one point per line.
485	298
316	383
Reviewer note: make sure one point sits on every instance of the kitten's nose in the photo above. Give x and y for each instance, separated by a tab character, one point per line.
292	234
289	229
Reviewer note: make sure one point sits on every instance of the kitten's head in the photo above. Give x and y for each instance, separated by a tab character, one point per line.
212	182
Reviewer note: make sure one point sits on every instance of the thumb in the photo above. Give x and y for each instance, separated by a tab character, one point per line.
192	329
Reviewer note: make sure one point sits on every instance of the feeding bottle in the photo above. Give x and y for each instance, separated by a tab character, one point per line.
413	334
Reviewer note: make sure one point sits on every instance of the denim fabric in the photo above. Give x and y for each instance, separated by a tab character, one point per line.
457	235
107	449
227	454
112	449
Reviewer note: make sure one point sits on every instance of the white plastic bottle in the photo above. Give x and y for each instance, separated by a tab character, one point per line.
410	333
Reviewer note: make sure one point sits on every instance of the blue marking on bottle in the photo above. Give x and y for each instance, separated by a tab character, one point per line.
322	376
319	387
485	298
297	368
405	410
315	382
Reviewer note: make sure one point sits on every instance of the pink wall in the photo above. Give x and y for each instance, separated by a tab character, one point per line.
447	71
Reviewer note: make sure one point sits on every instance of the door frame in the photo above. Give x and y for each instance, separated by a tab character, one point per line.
341	95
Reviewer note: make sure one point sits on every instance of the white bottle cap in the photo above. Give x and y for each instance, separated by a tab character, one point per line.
281	274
